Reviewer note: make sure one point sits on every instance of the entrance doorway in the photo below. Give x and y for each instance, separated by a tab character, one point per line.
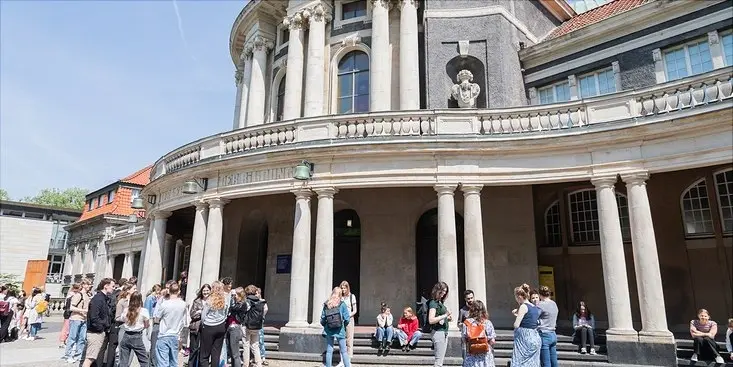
426	251
119	263
252	255
347	251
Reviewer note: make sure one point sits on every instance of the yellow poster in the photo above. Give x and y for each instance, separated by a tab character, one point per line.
547	277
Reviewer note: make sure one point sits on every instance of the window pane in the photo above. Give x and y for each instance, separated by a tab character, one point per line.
675	64
727	42
361	103
546	96
700	59
345	105
562	92
362	82
606	82
346	64
361	61
696	210
724	184
588	86
353	9
345	86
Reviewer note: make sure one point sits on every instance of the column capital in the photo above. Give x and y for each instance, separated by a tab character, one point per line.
217	203
260	43
295	21
415	3
302	193
635	178
160	215
326	192
601	182
200	205
444	189
387	4
317	13
471	189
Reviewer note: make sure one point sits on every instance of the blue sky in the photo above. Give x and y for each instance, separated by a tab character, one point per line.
91	91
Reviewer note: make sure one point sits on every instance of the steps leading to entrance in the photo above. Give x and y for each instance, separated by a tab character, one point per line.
366	352
684	352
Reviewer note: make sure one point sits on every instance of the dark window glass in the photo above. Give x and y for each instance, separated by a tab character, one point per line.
353	9
280	99
353	83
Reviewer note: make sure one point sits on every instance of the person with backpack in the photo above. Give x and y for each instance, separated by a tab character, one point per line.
6	313
254	322
408	332
64	334
36	307
78	308
479	336
334	319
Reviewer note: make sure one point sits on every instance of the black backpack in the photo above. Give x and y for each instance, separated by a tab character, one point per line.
67	308
255	317
333	317
422	315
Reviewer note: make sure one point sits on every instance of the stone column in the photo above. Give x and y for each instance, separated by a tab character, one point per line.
323	269
447	247
315	80
154	252
294	76
301	259
646	260
257	88
176	259
616	282
69	263
197	250
76	261
127	266
143	267
380	77
409	61
474	241
212	251
109	268
241	77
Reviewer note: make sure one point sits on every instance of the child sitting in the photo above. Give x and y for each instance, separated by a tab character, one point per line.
407	330
385	332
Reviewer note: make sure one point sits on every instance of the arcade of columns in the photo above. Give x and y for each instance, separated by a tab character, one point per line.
252	67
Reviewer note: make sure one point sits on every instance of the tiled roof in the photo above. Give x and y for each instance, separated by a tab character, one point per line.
596	15
122	203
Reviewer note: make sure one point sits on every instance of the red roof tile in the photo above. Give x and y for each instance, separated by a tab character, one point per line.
122	203
596	15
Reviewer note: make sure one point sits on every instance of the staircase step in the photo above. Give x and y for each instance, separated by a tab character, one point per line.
686	362
687	344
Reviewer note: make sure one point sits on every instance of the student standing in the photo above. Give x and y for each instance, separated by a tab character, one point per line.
548	323
335	317
99	321
172	318
213	325
78	308
135	321
439	316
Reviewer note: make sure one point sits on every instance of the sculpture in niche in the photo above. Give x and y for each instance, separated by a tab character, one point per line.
465	92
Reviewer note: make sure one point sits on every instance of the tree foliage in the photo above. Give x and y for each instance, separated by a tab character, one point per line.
11	281
4	195
73	198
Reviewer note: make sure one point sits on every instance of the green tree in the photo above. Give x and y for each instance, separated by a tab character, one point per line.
73	198
11	281
4	195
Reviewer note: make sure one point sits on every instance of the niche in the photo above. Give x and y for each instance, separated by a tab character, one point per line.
476	67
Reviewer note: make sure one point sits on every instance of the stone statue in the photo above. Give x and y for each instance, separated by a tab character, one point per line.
465	92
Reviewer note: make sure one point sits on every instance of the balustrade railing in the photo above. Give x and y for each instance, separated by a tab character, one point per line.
692	92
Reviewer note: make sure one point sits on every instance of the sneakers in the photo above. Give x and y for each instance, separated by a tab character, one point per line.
582	351
693	358
719	360
72	360
592	351
341	364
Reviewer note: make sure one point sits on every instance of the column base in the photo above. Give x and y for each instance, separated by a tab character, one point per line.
304	339
627	348
455	347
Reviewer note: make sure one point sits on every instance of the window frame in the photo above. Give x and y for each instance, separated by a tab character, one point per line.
597	83
132	194
709	209
339	22
280	99
548	243
553	86
721	35
282	29
352	74
111	196
625	229
688	63
718	196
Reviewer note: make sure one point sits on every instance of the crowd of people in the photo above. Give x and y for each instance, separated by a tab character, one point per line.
21	316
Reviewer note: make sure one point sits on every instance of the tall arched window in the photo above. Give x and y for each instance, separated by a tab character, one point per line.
280	99
353	83
553	234
724	184
584	216
696	212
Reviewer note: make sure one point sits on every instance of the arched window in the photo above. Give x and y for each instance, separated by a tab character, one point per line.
724	184
553	234
696	209
584	216
280	99
353	83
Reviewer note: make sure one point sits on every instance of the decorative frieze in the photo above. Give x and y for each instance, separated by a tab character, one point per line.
171	194
249	177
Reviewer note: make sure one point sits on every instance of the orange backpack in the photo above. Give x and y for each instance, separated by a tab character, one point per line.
476	340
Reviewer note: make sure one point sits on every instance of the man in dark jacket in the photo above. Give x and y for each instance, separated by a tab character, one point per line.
114	329
99	320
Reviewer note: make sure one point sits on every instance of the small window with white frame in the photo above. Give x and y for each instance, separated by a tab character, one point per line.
726	41
555	93
696	214
350	11
283	36
688	59
134	194
597	83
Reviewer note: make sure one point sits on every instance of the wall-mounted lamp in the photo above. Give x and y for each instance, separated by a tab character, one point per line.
137	203
303	171
192	186
349	224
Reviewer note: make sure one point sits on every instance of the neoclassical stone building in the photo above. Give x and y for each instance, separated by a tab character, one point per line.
468	141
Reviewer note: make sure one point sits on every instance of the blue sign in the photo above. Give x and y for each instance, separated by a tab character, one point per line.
283	264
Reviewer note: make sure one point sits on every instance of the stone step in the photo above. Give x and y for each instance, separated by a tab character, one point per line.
687	344
686	362
687	353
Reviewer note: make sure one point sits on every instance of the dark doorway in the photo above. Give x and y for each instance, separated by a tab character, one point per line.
347	251
252	255
426	251
119	261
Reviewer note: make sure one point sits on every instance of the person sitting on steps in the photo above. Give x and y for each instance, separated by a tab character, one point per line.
385	331
408	332
584	324
703	331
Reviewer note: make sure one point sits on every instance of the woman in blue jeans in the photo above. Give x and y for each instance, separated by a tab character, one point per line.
548	323
334	318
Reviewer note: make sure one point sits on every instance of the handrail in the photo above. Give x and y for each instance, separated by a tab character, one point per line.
712	87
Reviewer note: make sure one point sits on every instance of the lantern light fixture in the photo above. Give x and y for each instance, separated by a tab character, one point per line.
303	171
192	186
